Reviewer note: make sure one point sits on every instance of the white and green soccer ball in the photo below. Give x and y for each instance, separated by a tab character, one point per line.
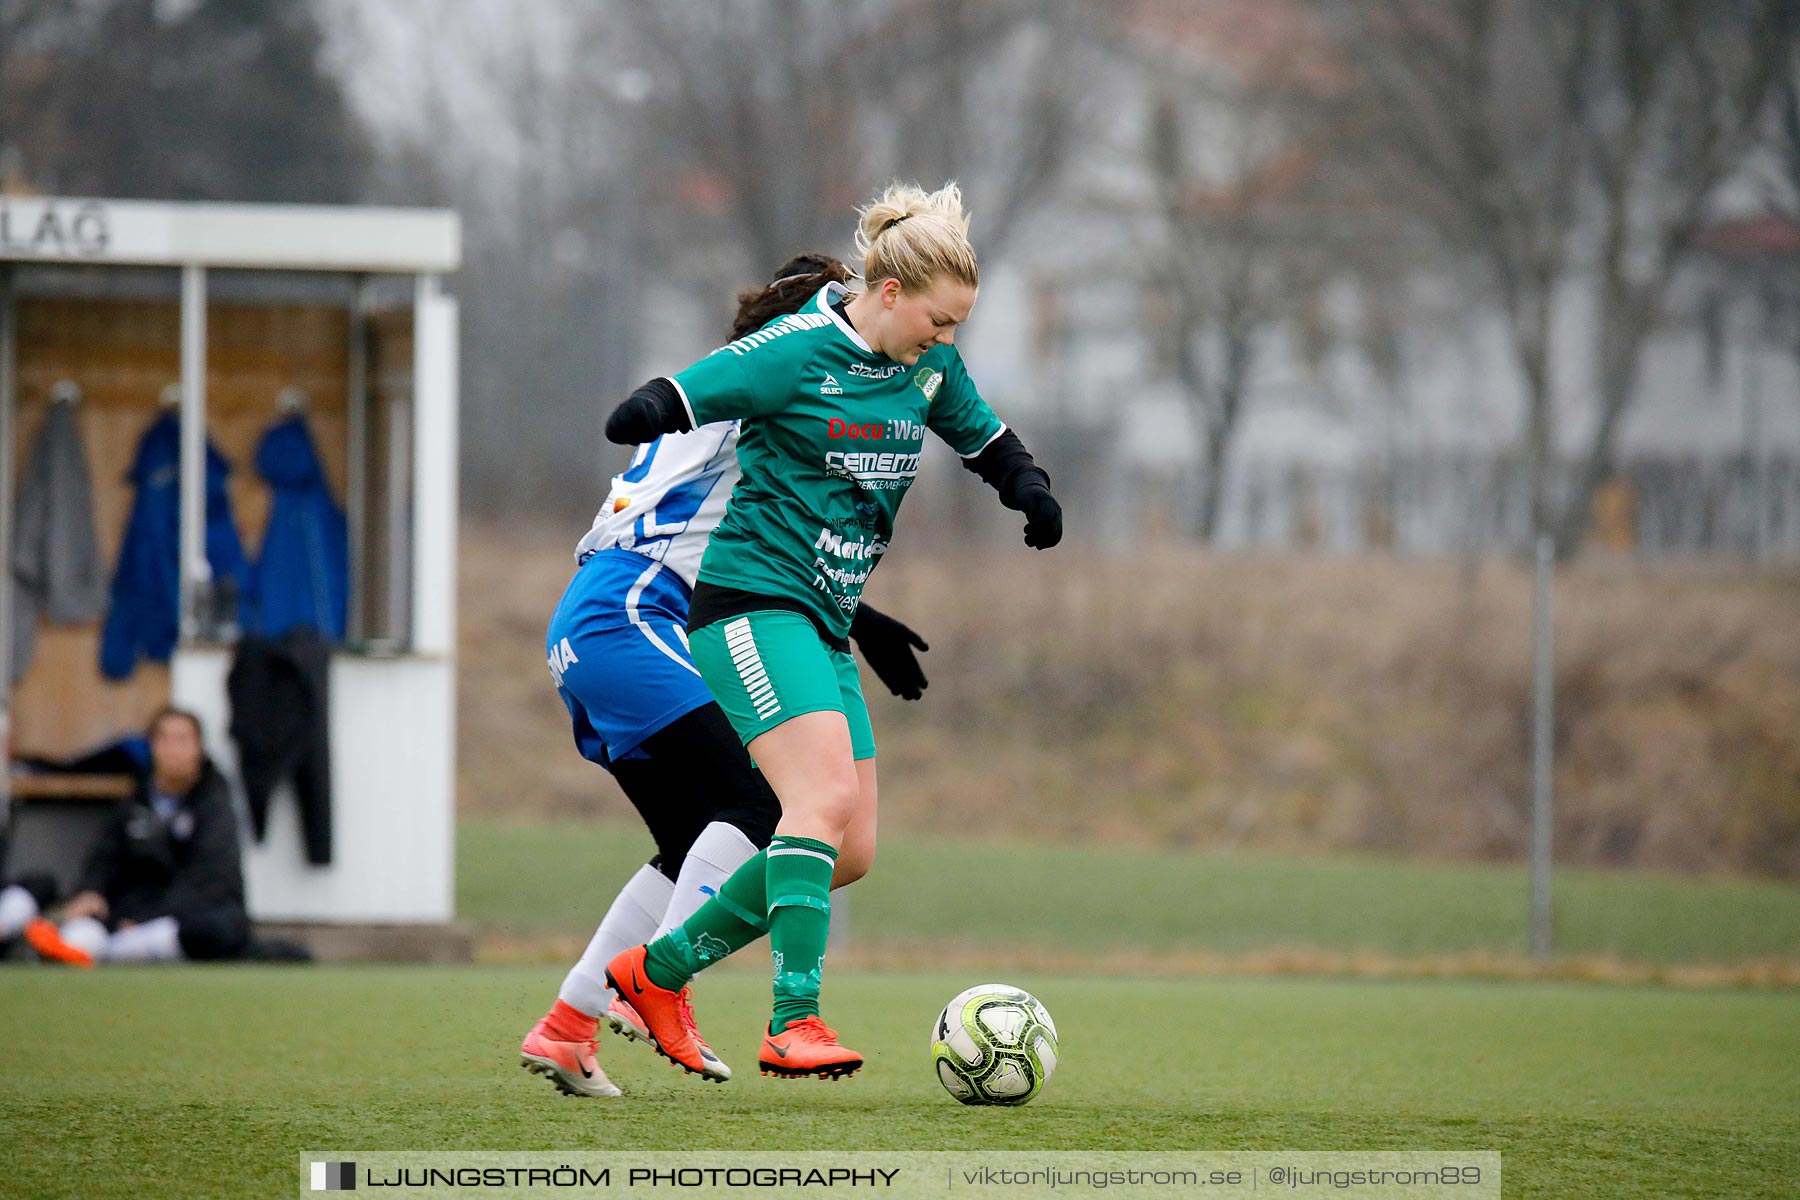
994	1044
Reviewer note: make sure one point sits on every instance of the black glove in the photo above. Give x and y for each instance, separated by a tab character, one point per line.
652	410
1043	515
1006	466
889	645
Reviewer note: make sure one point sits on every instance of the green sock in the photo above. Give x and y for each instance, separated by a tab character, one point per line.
721	927
799	890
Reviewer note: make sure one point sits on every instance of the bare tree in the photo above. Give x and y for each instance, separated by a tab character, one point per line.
1461	119
1679	92
993	94
713	141
205	101
792	109
527	131
1556	144
1784	144
1235	242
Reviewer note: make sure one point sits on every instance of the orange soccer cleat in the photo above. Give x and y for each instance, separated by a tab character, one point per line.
807	1047
667	1016
46	939
571	1066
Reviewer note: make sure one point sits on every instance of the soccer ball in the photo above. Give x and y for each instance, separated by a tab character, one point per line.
993	1044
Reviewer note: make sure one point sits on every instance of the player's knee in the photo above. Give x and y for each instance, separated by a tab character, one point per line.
833	804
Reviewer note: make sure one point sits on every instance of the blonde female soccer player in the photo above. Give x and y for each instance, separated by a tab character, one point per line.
834	401
639	708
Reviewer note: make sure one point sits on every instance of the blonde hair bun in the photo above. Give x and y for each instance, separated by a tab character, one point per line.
915	236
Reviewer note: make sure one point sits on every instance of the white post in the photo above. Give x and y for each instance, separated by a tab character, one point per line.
1542	748
356	488
8	348
195	572
434	470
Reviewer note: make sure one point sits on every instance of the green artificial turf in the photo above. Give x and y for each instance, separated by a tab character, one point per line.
522	879
209	1081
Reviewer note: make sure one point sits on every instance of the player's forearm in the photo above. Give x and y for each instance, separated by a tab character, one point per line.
651	411
1007	467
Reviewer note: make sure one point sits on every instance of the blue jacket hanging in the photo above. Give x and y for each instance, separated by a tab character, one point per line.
145	621
301	578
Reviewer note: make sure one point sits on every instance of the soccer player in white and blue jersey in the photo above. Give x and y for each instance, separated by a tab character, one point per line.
617	649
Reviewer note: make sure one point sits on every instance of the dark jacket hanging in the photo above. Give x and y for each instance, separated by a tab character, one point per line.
280	720
144	621
56	566
300	578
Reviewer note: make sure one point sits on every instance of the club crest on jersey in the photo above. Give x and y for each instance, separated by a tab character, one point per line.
831	387
929	381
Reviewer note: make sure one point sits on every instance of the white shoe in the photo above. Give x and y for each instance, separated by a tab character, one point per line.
623	1020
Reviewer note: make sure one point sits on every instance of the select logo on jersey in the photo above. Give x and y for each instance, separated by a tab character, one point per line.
864	371
929	381
900	431
831	387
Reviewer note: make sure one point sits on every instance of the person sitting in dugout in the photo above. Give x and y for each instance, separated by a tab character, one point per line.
165	880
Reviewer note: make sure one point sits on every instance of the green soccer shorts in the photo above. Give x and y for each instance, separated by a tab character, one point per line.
766	667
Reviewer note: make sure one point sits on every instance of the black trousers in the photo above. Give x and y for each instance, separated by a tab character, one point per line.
280	718
698	772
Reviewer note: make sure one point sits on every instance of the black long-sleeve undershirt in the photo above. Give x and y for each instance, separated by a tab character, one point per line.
1005	465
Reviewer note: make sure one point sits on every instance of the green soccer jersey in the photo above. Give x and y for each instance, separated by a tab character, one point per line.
830	441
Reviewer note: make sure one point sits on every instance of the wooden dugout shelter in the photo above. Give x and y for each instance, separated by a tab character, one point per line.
234	304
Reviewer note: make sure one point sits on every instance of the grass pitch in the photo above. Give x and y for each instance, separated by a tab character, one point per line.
208	1081
1044	899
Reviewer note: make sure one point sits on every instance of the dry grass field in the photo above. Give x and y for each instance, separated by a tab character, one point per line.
1189	699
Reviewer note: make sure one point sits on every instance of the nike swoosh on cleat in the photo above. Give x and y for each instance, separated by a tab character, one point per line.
637	982
781	1050
585	1073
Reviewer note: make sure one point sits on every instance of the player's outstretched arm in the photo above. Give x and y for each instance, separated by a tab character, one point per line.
650	412
889	647
1007	467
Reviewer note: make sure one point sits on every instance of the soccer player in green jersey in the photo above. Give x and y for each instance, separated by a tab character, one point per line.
834	402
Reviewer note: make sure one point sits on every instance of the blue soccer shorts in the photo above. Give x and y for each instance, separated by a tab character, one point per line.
617	648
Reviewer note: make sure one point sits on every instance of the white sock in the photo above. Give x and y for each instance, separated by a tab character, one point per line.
86	933
157	940
630	921
17	906
719	850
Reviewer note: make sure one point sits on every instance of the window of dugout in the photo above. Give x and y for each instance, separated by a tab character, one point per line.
334	351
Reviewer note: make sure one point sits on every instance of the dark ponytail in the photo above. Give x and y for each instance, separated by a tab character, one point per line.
794	283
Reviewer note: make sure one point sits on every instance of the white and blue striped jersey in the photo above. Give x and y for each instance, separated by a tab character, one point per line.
667	503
